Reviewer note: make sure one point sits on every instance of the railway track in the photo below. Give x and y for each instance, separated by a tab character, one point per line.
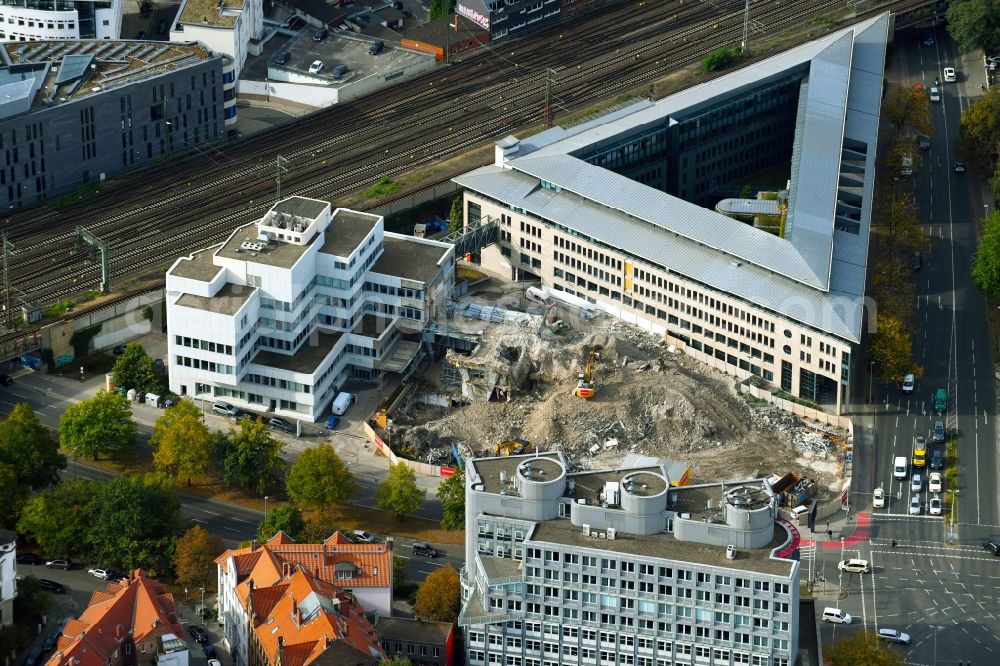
340	150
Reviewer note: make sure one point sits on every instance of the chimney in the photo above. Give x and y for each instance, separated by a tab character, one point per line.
253	545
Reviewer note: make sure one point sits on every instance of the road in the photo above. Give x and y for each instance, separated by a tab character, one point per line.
49	396
944	595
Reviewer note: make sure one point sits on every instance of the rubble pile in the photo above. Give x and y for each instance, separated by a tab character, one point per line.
650	400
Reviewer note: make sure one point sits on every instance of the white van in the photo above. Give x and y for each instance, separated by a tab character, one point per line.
835	615
899	467
342	402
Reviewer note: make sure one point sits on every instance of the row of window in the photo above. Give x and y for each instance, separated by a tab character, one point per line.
201	364
590	269
204	345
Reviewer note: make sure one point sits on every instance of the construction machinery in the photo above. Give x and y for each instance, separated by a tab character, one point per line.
513	447
585	386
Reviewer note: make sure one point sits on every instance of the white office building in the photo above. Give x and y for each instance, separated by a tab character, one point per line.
616	567
226	26
620	213
279	316
8	576
43	20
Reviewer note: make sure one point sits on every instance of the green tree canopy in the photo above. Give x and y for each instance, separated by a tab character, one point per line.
252	459
438	597
396	660
861	647
986	263
975	24
979	131
891	348
455	218
451	492
28	448
399	492
908	109
59	518
319	479
194	558
135	523
101	425
282	518
134	369
441	8
400	575
184	445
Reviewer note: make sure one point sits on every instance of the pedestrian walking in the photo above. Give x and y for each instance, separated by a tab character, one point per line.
829	535
893	543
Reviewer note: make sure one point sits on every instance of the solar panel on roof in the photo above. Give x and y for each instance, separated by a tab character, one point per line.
73	68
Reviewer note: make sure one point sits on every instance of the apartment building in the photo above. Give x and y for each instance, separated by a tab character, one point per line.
423	642
362	570
609	214
233	27
8	576
74	113
42	20
616	567
287	309
130	622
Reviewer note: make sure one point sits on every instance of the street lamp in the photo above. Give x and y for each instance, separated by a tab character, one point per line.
203	603
936	628
954	501
265	508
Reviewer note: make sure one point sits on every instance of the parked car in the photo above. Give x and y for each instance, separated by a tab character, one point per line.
34	656
65	565
937	434
934	506
934	483
161	27
29	558
364	537
924	141
118	350
316	67
103	574
51	586
158	366
992	546
51	641
928	39
141	34
915	507
376	48
278	423
281	57
894	636
959	167
197	633
6	380
935	94
907	385
878	498
950	75
320	35
916	483
332	422
225	409
208	649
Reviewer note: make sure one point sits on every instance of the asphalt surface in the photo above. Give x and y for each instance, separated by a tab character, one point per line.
937	584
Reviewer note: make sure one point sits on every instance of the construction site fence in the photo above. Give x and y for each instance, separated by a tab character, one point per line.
420	468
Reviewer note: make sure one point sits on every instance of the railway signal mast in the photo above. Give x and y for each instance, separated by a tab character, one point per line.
746	27
97	247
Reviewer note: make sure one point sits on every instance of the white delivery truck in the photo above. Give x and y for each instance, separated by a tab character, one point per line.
342	402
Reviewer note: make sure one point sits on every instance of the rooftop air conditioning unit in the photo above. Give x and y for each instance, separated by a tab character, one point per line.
586	530
602	535
612	533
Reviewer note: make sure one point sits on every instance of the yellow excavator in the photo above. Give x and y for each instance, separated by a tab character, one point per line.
513	447
585	386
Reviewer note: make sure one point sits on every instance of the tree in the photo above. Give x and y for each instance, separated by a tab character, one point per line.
27	447
986	263
974	24
438	597
59	519
252	460
319	479
979	131
282	518
100	425
441	8
455	218
396	660
908	109
184	445
399	492
451	492
400	575
891	348
135	523
12	497
861	647
719	59
194	557
134	369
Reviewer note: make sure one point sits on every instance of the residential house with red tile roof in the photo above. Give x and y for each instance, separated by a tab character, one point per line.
133	621
301	620
364	570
